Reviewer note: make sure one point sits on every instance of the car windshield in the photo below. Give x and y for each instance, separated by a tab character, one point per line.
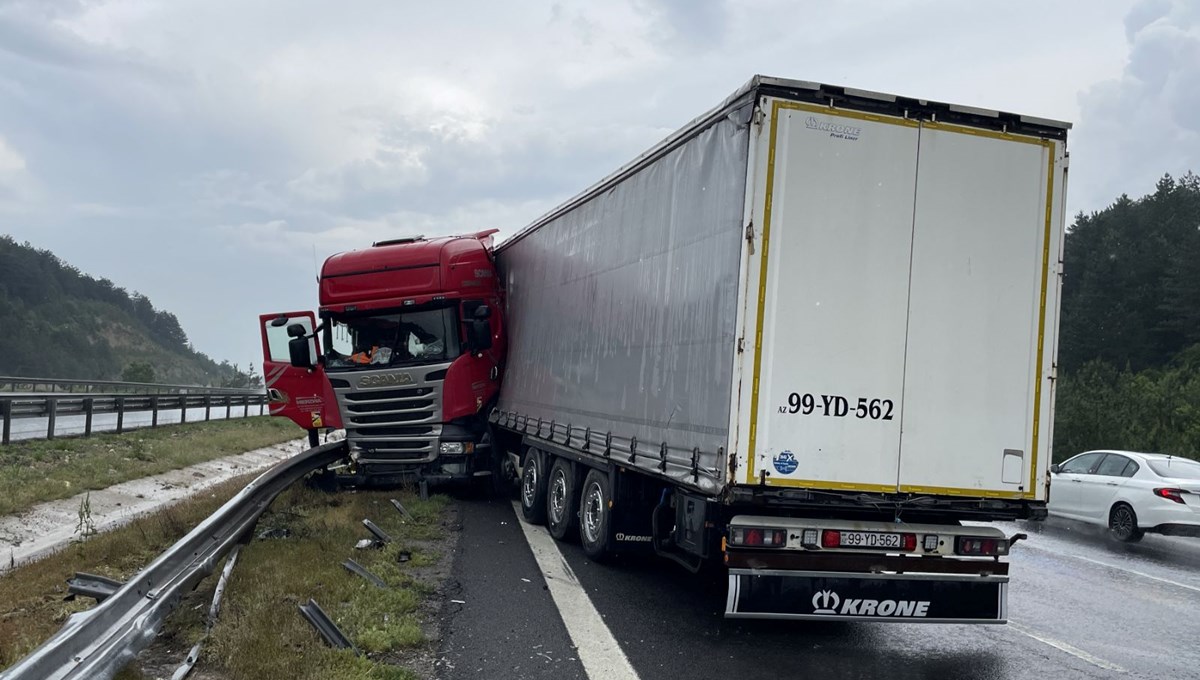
1179	468
391	338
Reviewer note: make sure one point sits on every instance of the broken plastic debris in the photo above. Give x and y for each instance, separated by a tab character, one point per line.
365	543
458	601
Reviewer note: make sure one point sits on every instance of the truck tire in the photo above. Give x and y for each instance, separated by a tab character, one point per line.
533	487
595	516
562	500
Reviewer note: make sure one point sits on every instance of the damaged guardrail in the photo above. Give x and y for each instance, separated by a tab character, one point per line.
99	642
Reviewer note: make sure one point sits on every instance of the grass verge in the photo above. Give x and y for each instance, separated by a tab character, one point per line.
261	633
33	472
32	606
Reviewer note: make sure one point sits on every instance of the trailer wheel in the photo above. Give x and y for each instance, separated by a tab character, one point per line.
595	515
533	487
562	500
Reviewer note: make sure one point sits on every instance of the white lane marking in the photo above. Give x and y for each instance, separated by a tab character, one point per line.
1117	567
1062	646
599	651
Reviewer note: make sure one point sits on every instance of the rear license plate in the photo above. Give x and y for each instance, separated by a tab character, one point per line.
869	539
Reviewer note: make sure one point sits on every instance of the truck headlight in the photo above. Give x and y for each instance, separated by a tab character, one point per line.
450	448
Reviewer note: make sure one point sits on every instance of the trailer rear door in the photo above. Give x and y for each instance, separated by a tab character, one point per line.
839	189
905	321
977	388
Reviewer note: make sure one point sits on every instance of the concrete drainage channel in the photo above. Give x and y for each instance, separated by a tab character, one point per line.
99	642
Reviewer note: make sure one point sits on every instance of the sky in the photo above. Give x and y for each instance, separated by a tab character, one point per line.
209	153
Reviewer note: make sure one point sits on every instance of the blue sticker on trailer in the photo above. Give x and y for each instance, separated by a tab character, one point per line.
907	598
785	462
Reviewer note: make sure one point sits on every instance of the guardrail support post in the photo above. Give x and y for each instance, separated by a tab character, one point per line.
6	413
245	406
228	406
183	408
207	407
262	404
51	413
87	416
154	410
120	415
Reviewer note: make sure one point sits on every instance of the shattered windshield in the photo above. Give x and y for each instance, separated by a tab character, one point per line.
391	338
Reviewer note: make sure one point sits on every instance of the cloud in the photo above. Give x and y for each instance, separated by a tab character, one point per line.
1135	128
11	162
198	150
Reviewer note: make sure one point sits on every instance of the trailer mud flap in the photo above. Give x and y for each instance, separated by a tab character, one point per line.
838	596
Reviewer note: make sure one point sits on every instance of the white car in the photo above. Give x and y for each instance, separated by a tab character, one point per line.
1130	493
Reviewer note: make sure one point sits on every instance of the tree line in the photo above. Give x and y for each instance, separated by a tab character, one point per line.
57	322
1129	343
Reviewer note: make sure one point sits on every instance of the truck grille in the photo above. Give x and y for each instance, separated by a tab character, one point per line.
391	424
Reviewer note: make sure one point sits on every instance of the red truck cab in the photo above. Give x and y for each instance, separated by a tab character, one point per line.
405	353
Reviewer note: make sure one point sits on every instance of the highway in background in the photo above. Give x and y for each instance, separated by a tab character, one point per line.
66	425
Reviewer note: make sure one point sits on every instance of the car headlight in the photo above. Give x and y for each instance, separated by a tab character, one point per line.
452	447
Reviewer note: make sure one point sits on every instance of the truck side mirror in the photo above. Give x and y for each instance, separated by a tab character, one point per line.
296	330
298	349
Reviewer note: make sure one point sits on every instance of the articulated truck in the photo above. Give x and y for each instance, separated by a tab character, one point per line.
809	337
410	363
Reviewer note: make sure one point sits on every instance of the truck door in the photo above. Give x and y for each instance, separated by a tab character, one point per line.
838	220
978	366
301	394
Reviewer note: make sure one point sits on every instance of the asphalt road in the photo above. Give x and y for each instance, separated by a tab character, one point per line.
1080	606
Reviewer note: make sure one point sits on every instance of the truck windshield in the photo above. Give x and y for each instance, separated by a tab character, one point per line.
391	338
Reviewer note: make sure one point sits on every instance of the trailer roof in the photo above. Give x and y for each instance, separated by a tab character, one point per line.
737	104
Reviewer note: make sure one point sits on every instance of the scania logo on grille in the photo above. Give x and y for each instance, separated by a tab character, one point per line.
386	380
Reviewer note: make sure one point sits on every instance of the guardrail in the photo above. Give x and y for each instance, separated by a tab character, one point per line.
53	406
12	384
99	642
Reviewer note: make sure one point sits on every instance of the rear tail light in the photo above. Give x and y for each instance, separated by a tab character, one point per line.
757	537
1170	494
990	547
908	542
831	539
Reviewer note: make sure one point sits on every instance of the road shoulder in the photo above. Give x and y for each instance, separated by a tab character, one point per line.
46	527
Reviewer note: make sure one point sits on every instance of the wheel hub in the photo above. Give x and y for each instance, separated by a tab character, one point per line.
558	498
529	483
593	513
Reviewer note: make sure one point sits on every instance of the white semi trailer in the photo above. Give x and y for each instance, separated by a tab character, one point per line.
808	335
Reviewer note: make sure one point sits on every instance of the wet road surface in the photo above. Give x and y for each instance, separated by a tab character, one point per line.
1080	606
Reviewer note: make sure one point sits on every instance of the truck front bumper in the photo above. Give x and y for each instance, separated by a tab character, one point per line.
842	596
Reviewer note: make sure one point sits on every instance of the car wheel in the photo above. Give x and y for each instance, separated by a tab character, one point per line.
562	500
1122	524
533	487
595	516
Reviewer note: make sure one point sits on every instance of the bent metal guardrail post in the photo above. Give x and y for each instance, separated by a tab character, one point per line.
97	643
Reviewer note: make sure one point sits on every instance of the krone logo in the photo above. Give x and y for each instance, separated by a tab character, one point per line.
386	380
825	602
